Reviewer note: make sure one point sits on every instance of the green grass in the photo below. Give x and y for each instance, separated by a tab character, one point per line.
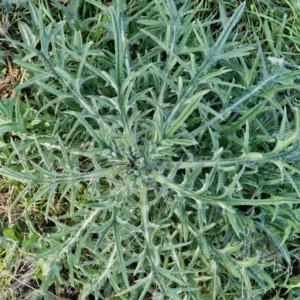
151	151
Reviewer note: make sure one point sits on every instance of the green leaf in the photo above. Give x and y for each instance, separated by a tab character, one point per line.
226	31
228	264
91	131
28	37
183	142
34	80
190	104
248	261
235	53
120	251
251	93
11	234
275	238
236	223
261	277
168	275
103	231
30	240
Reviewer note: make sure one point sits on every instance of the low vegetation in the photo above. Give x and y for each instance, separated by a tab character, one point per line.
149	150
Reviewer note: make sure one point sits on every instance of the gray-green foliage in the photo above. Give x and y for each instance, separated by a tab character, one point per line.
164	160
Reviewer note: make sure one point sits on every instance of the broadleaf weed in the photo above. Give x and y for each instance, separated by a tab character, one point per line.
151	158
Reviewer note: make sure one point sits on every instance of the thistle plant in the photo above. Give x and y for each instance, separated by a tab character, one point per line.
152	160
